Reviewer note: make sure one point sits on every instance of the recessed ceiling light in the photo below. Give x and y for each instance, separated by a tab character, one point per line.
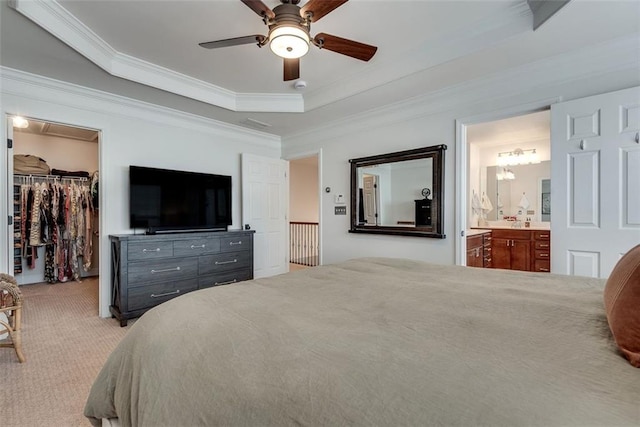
20	122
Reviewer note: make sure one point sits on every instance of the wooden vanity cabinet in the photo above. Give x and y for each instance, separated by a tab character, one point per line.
511	249
479	250
541	251
475	251
522	249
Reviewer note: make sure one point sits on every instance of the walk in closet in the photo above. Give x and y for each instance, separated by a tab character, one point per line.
55	203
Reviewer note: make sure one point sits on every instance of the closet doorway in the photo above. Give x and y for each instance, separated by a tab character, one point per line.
55	205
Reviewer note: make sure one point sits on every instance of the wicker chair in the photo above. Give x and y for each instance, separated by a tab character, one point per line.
11	306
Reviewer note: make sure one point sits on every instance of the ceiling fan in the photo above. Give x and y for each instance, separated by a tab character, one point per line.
289	33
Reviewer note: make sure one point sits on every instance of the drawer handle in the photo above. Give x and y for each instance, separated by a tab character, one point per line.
165	270
544	269
151	250
544	246
201	246
226	262
177	291
544	255
235	243
225	283
542	236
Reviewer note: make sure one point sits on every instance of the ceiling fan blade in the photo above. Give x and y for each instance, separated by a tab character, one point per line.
361	51
260	8
319	8
291	69
257	38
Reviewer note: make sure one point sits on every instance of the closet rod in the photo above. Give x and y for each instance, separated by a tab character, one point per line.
49	177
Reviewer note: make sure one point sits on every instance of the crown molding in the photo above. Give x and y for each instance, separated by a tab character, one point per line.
618	55
31	86
55	19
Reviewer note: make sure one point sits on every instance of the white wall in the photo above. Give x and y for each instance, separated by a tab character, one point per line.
133	133
59	153
432	119
303	190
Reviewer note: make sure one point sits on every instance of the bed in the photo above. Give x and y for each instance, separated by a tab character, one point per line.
374	341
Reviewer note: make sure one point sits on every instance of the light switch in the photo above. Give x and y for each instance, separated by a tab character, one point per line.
340	210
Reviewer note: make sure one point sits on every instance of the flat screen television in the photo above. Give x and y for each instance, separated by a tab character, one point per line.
163	200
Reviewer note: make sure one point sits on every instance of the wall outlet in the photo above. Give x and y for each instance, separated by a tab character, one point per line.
340	210
339	199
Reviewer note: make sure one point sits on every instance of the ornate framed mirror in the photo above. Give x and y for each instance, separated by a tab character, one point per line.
399	193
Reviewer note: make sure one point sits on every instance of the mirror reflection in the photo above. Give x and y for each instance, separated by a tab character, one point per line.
398	193
520	190
391	194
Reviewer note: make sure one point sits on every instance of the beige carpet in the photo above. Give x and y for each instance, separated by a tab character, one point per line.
65	344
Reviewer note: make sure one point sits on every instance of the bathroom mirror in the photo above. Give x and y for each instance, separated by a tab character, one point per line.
507	186
399	193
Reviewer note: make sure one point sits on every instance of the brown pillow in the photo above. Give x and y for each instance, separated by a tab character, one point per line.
622	304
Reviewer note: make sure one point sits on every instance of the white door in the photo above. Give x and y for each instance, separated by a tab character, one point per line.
595	174
265	209
369	196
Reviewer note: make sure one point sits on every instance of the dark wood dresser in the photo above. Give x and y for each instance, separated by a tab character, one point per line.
148	270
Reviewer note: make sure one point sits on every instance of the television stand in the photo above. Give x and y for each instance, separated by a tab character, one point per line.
150	269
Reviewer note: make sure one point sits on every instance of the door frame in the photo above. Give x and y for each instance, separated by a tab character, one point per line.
6	200
313	153
462	162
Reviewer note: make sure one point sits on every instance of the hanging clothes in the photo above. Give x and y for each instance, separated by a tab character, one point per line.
56	213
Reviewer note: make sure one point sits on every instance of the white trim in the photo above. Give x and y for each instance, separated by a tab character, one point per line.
617	55
31	86
55	19
462	162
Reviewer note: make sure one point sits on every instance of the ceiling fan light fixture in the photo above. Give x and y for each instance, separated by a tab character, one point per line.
289	42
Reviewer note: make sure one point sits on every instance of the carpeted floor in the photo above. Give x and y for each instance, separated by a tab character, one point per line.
65	344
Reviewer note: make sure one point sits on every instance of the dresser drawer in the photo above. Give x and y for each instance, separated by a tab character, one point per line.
542	254
234	244
542	266
514	234
196	246
152	295
210	264
542	235
543	244
149	250
226	278
144	272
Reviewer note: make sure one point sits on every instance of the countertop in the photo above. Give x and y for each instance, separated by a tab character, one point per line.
480	230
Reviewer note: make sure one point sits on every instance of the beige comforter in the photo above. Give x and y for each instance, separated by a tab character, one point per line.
374	342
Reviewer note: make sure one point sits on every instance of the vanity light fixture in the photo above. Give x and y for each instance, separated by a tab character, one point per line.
518	157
